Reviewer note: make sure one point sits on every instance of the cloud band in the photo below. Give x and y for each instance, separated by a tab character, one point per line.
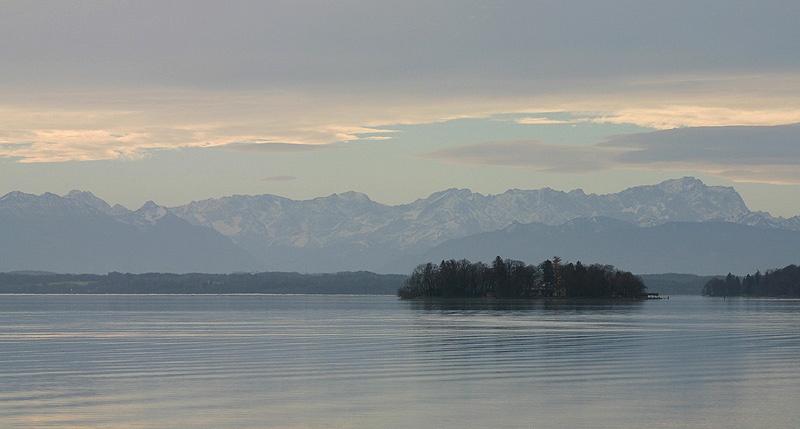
768	154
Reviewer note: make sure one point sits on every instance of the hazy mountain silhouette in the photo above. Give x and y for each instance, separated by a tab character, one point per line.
349	232
61	234
705	248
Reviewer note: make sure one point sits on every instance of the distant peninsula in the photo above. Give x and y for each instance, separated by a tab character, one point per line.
507	278
358	282
784	282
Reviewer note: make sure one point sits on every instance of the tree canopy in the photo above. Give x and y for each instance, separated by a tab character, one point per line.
506	278
775	283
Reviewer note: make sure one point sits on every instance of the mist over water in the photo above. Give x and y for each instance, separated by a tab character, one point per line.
366	361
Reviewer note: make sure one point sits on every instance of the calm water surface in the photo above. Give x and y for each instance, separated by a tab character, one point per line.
375	361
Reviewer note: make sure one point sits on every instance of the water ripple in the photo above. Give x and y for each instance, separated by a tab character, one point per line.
367	361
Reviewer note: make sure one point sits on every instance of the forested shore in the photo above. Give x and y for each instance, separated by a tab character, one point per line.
784	282
506	278
359	282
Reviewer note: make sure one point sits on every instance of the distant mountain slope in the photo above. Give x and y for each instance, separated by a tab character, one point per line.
675	284
705	248
340	232
349	231
69	235
98	203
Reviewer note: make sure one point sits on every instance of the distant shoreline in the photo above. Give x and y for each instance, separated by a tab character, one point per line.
361	283
344	283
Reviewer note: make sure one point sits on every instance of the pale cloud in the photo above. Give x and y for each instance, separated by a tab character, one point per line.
128	124
700	116
117	124
352	133
764	154
720	145
542	121
222	73
274	147
67	145
278	179
769	174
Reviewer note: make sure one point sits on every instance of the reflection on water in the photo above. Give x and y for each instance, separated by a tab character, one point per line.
522	305
365	361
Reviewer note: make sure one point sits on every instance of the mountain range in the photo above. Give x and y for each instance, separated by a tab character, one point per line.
70	235
79	232
704	248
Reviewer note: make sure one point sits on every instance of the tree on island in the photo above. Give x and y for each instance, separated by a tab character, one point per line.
507	278
773	283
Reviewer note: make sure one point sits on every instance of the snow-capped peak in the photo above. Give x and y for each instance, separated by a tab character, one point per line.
151	212
674	186
90	199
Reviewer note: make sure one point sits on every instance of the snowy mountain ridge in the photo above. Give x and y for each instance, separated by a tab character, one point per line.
80	233
349	231
352	217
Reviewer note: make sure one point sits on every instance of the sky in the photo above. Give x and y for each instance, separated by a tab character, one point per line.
179	101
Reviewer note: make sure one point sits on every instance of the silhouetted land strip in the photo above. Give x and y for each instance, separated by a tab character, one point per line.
675	284
360	282
507	278
784	282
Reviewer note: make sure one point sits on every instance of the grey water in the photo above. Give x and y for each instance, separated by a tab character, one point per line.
376	361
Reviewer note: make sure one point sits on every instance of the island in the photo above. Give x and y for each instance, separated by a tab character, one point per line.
784	282
507	278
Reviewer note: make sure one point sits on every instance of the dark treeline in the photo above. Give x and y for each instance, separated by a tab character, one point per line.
275	282
780	282
507	278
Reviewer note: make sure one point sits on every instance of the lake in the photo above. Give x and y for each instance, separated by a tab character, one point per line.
376	361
